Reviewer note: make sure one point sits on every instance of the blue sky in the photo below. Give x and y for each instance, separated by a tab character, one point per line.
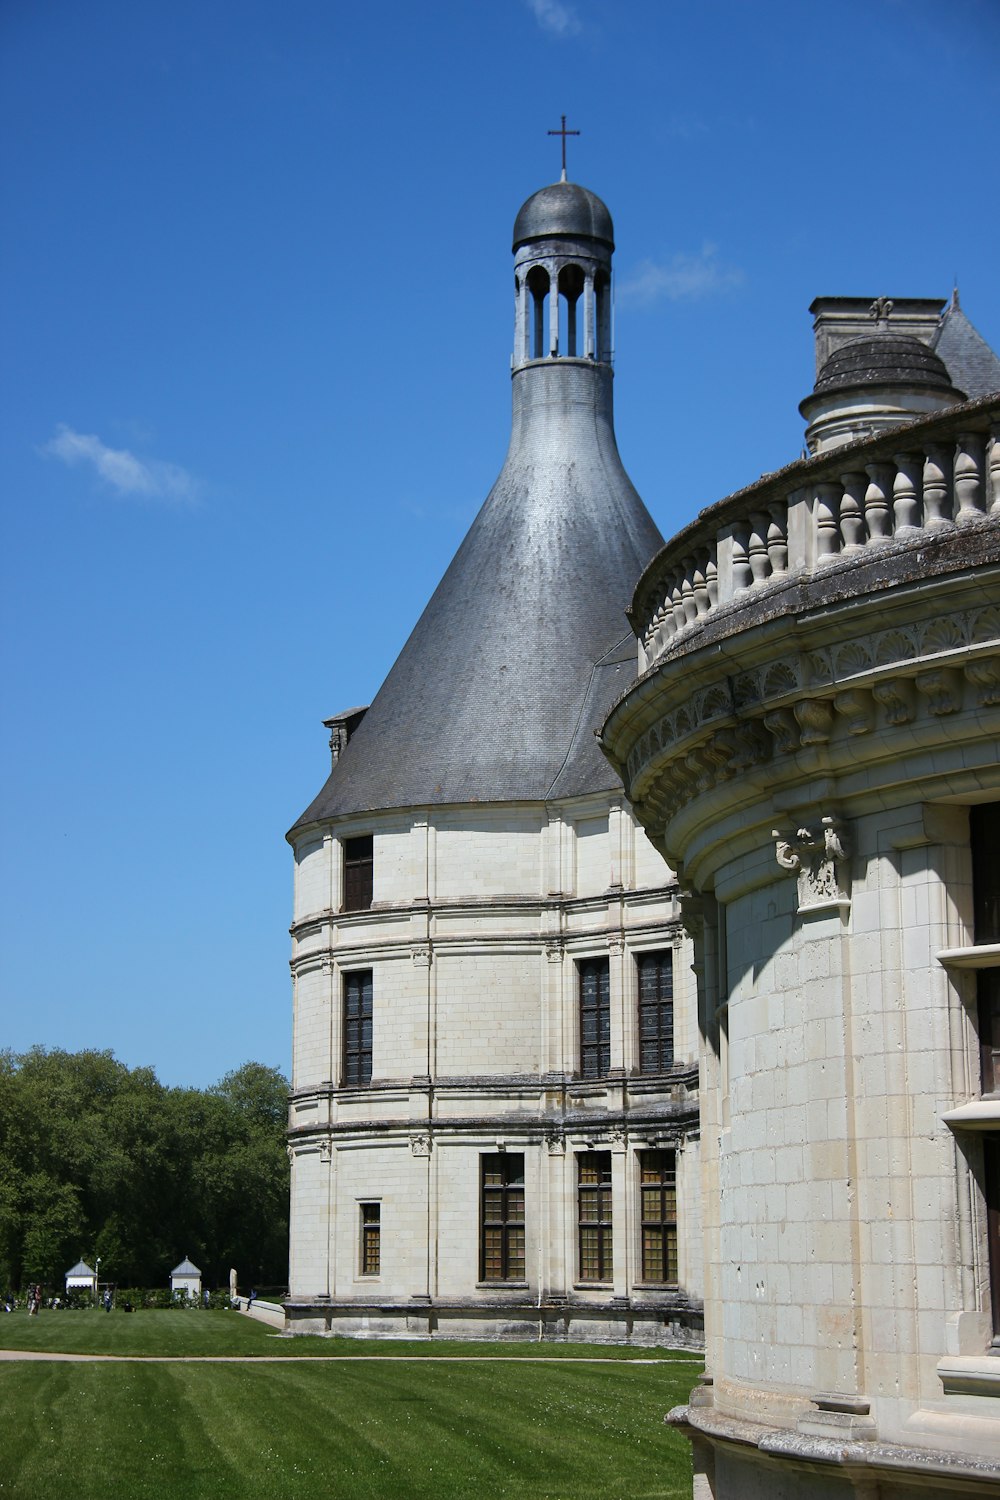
257	327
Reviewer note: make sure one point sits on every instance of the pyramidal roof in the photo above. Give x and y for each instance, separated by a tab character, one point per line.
973	365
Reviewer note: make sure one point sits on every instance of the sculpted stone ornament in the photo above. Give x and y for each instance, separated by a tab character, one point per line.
817	855
420	1143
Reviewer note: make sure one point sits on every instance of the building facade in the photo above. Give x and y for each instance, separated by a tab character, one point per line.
493	1123
813	743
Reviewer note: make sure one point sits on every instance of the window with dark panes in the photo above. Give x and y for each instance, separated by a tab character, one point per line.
359	867
658	1208
984	831
594	1210
595	1017
656	1011
371	1243
357	1028
502	1219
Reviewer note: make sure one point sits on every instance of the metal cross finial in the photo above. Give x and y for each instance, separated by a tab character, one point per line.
564	133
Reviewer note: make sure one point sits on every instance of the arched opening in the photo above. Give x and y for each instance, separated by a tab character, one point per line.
571	282
602	298
538	285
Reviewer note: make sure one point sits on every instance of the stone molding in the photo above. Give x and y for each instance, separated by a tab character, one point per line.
914	673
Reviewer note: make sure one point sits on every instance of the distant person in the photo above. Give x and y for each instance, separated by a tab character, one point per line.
206	1294
107	1299
250	1299
8	1302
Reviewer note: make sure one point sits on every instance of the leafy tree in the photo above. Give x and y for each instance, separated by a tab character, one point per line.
100	1159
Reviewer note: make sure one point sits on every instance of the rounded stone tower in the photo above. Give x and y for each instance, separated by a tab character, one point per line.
494	1082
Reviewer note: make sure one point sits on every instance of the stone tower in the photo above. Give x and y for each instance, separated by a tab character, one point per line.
494	1117
815	745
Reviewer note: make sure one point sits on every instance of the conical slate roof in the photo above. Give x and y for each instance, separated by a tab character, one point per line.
524	644
186	1268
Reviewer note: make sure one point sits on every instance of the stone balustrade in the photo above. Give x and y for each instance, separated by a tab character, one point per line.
923	477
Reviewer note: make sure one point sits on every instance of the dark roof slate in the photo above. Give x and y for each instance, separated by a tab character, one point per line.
972	364
495	696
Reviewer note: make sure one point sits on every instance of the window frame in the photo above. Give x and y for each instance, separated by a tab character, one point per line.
357	1008
508	1224
660	1006
370	1235
662	1225
598	1227
358	858
594	1052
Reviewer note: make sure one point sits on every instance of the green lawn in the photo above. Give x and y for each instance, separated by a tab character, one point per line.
197	1332
367	1430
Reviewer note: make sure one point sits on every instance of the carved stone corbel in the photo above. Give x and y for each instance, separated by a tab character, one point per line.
818	855
815	720
780	722
857	707
420	1143
984	674
898	699
942	687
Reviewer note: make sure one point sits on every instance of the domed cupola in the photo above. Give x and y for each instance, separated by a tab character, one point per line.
563	241
874	383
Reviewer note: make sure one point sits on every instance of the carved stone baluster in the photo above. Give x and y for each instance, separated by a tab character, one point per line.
687	592
760	563
906	492
877	515
852	512
969	476
827	529
712	582
995	471
677	601
937	472
777	539
701	599
742	574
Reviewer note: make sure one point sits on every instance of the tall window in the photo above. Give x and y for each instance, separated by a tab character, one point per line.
984	827
594	1208
595	1017
359	867
371	1242
984	830
656	1012
502	1208
357	1030
658	1192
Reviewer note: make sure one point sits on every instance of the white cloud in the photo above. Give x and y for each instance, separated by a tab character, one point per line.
149	479
683	278
555	17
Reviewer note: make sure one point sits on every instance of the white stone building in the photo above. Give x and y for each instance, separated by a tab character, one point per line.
493	1124
814	744
185	1278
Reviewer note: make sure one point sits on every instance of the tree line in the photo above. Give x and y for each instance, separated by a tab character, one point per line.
97	1159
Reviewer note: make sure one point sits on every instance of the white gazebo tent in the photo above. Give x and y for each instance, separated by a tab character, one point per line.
186	1278
81	1277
